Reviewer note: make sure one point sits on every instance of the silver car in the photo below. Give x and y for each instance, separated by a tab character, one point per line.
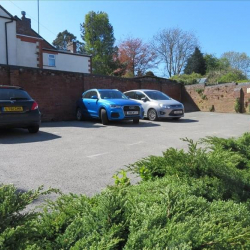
157	104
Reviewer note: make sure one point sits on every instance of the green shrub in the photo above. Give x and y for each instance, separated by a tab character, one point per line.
121	178
16	226
232	76
167	215
231	167
237	105
225	76
195	199
187	79
243	81
212	109
199	91
239	146
204	97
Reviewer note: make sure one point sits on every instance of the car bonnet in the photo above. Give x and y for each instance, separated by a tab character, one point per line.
121	102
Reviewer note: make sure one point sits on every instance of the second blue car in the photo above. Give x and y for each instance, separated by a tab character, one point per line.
108	105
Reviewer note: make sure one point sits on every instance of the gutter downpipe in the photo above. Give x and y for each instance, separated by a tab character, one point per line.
6	45
6	41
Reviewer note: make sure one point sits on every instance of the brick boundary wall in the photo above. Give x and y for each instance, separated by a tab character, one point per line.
57	91
217	98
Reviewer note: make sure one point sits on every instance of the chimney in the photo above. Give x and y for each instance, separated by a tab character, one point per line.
26	22
71	46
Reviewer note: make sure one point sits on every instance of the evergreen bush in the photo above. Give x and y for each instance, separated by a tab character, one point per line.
194	199
187	79
237	105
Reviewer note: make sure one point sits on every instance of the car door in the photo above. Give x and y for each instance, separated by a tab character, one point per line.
85	105
143	100
92	103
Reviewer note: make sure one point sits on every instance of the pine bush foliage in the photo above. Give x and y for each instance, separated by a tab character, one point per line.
193	199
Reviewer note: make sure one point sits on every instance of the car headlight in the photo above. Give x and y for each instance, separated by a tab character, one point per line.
165	106
113	106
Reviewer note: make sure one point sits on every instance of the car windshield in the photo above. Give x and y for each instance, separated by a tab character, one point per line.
112	94
13	94
157	95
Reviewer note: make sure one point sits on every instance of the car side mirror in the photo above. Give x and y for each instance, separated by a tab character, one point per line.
94	97
144	99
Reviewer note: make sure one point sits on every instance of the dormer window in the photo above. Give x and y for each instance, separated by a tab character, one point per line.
52	60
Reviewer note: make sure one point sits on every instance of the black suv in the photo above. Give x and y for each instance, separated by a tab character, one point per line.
18	109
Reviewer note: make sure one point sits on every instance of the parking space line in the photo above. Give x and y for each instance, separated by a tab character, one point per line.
136	143
91	156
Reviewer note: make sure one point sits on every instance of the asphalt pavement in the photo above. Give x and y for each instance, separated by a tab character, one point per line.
82	157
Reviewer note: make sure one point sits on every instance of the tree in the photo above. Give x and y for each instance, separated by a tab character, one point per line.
238	61
136	56
212	62
63	38
232	76
98	35
149	73
196	63
173	47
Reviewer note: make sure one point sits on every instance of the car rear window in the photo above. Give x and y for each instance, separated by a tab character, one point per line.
13	94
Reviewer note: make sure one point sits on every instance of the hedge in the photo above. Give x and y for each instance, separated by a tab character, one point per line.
193	199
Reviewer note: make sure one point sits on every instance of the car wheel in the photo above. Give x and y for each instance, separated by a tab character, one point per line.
152	115
79	116
33	129
104	117
136	120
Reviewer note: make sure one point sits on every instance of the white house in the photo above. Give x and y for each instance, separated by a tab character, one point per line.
8	40
20	45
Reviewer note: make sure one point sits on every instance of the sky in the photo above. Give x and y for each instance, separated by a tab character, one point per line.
220	26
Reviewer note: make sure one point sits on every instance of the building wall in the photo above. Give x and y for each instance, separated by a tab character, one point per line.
67	62
27	53
11	39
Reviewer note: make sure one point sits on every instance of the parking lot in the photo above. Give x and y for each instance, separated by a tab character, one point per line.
82	157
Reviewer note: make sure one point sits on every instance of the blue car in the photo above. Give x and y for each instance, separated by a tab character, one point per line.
108	105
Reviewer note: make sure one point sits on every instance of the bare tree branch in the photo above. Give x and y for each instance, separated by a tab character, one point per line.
173	47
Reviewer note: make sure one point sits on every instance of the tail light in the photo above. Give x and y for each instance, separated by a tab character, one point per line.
34	106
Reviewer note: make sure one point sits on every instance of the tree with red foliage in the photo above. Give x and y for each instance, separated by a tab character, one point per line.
135	57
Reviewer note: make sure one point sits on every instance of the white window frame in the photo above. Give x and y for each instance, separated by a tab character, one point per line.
52	60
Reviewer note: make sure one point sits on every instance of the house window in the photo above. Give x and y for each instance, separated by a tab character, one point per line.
52	61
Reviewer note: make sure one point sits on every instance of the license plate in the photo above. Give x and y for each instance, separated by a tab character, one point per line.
178	112
12	109
132	112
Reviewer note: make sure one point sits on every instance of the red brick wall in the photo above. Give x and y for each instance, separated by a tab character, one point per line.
222	97
246	97
56	92
4	78
107	82
169	87
173	90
